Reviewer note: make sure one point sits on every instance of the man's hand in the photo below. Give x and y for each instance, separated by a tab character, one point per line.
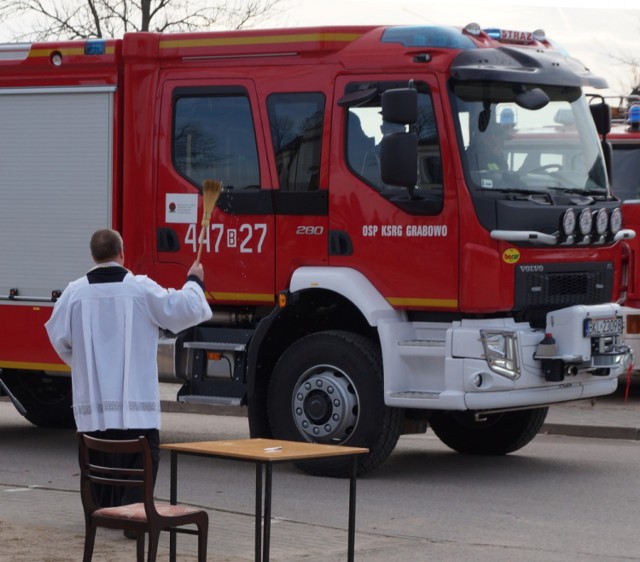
197	270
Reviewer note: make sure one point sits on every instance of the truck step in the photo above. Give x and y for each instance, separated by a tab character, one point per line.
211	400
417	395
422	348
215	346
422	343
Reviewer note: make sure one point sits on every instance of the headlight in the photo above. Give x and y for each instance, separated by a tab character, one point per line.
615	221
602	220
568	222
500	350
585	223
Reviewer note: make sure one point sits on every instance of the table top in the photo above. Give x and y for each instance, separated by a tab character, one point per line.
264	450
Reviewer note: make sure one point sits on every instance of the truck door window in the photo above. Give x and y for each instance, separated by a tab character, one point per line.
626	172
296	132
365	130
214	137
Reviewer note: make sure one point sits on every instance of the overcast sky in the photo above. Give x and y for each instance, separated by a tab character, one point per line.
590	33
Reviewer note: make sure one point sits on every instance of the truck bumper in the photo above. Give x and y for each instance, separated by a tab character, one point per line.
497	363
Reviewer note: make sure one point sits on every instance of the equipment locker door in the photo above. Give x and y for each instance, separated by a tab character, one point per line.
211	130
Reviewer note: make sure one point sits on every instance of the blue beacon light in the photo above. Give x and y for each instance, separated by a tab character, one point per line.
634	118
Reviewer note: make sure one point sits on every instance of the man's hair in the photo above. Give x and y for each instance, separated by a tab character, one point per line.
105	245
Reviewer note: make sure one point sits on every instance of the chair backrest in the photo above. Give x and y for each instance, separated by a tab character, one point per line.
93	470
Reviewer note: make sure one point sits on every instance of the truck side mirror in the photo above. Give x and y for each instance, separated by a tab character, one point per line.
400	105
398	160
601	114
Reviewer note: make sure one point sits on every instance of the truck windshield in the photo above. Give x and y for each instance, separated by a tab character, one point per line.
505	147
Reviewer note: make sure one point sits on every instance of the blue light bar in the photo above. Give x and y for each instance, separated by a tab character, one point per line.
634	114
428	36
95	47
493	32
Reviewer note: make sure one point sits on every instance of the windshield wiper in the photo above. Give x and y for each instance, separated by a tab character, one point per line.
583	192
516	190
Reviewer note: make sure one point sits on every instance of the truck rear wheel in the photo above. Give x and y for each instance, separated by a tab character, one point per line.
492	434
327	388
47	399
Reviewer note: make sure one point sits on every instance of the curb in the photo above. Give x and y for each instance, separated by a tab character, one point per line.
175	407
597	431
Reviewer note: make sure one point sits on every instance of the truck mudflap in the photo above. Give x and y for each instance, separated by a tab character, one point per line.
500	363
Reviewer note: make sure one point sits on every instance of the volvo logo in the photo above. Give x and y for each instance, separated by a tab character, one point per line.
531	268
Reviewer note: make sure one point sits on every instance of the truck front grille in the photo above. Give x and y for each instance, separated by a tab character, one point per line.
552	286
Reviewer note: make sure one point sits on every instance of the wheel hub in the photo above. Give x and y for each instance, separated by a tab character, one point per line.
325	405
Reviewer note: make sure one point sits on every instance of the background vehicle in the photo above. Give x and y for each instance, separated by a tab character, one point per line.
625	178
347	308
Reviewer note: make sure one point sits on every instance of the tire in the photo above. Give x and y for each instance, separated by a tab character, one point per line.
46	399
328	388
494	434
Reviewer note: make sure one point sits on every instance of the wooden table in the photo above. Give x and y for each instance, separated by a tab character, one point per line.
265	453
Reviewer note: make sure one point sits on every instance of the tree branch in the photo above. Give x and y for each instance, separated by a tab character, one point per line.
74	19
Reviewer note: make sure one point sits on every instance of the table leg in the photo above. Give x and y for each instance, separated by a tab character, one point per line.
173	499
352	508
267	514
258	538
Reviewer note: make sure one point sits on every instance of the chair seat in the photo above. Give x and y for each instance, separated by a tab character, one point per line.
136	512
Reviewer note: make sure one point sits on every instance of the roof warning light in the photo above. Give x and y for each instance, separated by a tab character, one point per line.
95	47
634	118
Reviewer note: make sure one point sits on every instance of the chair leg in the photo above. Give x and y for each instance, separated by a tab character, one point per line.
154	536
203	536
89	541
140	547
202	541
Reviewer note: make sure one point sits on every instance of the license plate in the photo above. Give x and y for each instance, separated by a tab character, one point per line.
594	327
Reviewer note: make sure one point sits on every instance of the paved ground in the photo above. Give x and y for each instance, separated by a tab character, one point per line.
615	417
28	533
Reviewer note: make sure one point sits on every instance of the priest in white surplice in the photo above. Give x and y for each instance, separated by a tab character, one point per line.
105	326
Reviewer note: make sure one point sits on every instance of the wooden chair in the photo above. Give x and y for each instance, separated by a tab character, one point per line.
147	516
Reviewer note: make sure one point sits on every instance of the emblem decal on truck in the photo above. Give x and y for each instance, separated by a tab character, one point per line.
181	208
511	255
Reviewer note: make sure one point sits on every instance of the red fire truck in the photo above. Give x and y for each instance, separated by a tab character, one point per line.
624	139
416	227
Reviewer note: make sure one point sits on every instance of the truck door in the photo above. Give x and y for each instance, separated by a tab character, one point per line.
211	130
404	241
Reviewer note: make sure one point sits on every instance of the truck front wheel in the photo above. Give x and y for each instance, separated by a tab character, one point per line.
46	399
490	434
327	388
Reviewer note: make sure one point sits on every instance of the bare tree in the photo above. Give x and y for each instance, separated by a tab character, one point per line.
80	19
632	62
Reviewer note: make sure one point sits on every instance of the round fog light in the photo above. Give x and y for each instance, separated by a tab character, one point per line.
477	380
602	221
585	222
615	221
568	222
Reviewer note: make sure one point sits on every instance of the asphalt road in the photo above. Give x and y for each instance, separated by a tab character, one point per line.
558	499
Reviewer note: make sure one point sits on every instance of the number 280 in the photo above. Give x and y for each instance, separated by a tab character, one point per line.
307	230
